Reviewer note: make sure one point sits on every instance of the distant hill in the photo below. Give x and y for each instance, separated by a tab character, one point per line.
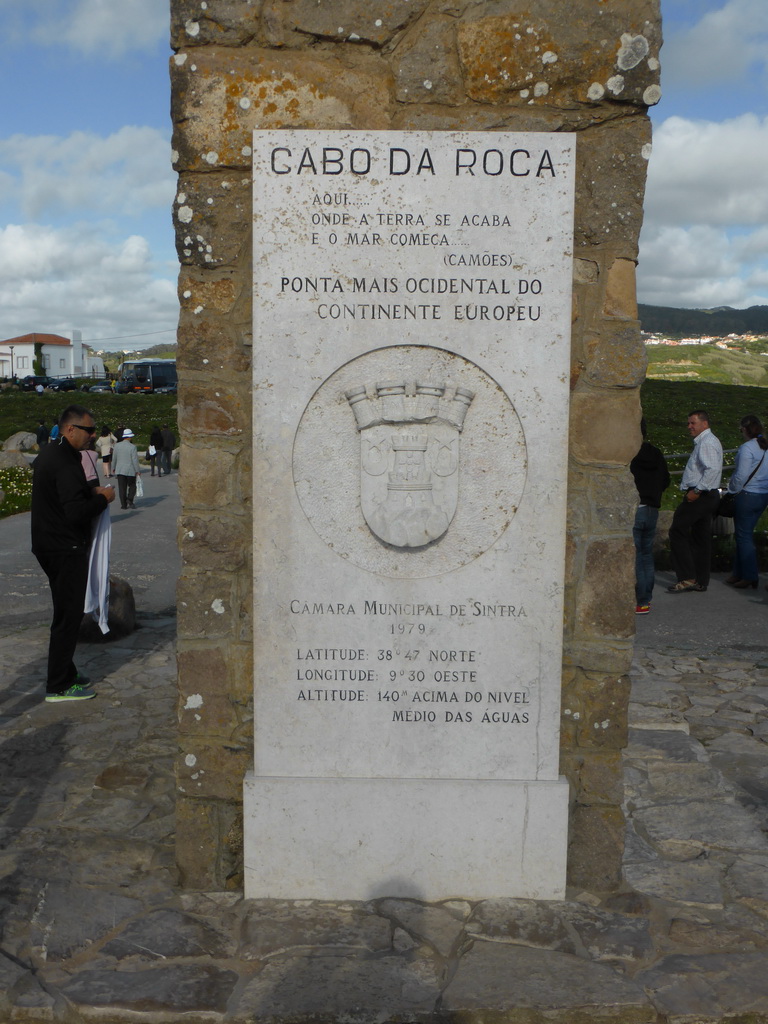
165	351
696	322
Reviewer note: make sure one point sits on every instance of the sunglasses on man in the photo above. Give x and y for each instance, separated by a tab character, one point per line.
90	430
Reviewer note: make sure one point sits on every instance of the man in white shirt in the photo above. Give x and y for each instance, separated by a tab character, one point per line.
690	536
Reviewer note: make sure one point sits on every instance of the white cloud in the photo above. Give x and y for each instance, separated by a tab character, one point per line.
702	267
721	47
107	26
752	246
707	172
54	280
704	241
126	173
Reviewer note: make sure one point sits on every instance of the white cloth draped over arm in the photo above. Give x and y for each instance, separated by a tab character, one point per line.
97	592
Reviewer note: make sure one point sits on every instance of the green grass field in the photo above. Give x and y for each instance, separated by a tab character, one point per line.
706	363
22	410
666	404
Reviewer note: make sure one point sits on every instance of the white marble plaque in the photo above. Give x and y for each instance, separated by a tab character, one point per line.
412	302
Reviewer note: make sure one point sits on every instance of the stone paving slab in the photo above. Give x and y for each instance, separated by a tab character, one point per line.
708	987
495	979
93	925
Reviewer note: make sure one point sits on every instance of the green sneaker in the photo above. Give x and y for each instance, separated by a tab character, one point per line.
75	692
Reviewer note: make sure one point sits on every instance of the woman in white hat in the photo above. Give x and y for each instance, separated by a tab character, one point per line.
125	466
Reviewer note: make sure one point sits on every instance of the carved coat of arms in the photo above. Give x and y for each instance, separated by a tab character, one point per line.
409	458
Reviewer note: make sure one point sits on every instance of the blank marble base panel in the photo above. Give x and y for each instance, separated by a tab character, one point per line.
432	839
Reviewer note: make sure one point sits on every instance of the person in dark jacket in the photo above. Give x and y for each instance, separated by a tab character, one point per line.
649	468
155	450
64	508
42	434
169	443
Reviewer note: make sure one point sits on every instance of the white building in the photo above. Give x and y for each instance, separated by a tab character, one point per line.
61	357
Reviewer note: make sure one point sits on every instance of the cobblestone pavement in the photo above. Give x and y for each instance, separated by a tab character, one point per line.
93	926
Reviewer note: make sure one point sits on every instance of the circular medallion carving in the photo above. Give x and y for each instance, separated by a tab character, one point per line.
409	461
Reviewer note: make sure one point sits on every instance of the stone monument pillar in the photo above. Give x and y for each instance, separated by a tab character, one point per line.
412	300
393	429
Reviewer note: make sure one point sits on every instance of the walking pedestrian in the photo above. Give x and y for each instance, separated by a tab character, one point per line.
125	466
105	442
169	443
154	451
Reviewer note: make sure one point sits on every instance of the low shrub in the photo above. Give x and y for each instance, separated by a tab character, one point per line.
16	485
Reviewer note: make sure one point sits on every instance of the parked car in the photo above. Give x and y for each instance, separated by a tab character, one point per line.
100	385
63	384
31	382
168	389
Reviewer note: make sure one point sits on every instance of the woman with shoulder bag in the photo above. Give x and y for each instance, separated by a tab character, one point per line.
153	450
105	442
749	484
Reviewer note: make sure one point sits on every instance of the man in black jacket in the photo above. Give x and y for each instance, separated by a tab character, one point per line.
64	508
649	468
166	452
42	434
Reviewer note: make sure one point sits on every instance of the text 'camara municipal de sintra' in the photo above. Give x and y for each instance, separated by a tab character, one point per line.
471	609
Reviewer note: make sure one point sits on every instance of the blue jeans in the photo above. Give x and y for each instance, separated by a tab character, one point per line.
749	508
643	533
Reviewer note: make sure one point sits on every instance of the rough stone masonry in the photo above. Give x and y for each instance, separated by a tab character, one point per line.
588	67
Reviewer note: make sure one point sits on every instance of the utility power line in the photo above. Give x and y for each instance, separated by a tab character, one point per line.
127	337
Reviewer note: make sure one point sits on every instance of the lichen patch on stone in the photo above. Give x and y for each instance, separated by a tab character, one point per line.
615	84
631	51
652	95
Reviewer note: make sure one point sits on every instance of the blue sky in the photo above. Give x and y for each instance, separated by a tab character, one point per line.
86	184
705	237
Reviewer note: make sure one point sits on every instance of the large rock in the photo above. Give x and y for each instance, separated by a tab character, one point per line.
13	458
21	441
122	613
